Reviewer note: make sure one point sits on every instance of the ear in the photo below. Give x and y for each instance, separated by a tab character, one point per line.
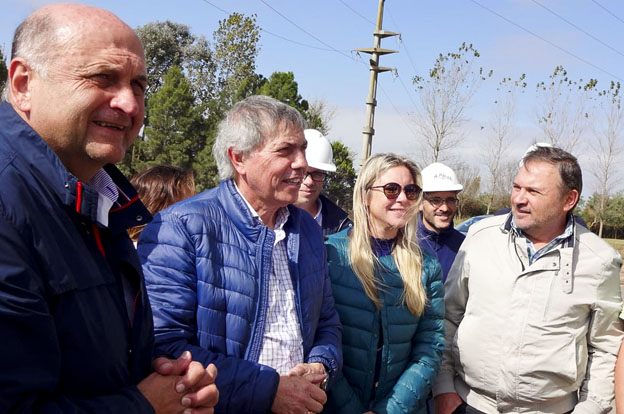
570	199
20	78
237	160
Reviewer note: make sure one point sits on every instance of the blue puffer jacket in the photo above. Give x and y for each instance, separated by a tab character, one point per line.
412	345
207	263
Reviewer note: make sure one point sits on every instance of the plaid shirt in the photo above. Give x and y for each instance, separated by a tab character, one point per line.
555	243
282	345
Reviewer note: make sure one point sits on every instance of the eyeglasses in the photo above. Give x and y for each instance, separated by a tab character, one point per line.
317	176
392	190
437	201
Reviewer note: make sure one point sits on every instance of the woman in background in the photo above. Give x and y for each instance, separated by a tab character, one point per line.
389	295
159	187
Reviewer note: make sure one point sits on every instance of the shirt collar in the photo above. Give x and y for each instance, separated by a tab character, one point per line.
566	237
282	213
107	194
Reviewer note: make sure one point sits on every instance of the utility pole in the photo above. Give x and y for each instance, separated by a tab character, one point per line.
371	100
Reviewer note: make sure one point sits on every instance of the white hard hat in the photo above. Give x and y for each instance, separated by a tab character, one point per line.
438	177
319	152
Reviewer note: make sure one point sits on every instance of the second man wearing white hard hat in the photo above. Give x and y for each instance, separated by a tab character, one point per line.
439	206
319	155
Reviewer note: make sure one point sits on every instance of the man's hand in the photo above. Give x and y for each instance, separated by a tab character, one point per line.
193	386
297	395
309	371
446	403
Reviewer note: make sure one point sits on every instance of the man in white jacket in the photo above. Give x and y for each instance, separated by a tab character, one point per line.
532	304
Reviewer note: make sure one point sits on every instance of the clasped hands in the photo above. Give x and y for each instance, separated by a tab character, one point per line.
181	386
299	392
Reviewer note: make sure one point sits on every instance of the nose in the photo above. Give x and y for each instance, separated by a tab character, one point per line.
518	196
308	181
299	162
444	206
127	101
402	197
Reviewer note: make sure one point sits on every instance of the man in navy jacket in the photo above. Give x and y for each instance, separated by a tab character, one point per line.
320	158
439	206
77	332
238	276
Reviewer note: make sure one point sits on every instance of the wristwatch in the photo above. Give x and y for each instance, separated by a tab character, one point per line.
323	384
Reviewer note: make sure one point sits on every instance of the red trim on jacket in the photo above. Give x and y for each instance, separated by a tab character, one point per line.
98	240
129	203
78	196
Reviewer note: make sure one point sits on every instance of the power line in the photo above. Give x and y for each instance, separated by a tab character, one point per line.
396	110
271	33
358	13
548	41
409	56
217	7
395	72
405	89
305	31
331	48
577	27
297	43
608	11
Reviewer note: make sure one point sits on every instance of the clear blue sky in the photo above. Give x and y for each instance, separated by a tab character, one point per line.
513	37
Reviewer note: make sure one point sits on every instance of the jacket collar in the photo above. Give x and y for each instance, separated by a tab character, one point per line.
43	162
242	217
509	226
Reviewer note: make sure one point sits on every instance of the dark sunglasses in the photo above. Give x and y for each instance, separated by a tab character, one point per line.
317	176
392	190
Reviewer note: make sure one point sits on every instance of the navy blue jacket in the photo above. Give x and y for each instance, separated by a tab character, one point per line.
207	263
67	344
335	219
443	245
411	345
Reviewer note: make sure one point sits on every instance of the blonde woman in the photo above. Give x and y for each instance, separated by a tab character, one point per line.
389	295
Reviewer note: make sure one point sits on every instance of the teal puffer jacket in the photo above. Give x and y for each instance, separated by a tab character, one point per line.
412	345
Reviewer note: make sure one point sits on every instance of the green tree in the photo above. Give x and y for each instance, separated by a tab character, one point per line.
339	185
236	48
167	44
176	133
283	87
219	75
3	71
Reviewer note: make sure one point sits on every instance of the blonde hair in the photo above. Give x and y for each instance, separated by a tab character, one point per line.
406	253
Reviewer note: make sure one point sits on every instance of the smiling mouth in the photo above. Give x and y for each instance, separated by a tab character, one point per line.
109	125
296	181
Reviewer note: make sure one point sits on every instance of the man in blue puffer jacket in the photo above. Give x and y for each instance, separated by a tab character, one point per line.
239	277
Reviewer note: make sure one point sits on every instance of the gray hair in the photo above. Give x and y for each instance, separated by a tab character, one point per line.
247	125
569	168
35	40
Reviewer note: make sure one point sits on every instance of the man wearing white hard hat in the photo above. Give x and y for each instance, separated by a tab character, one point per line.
439	206
320	156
